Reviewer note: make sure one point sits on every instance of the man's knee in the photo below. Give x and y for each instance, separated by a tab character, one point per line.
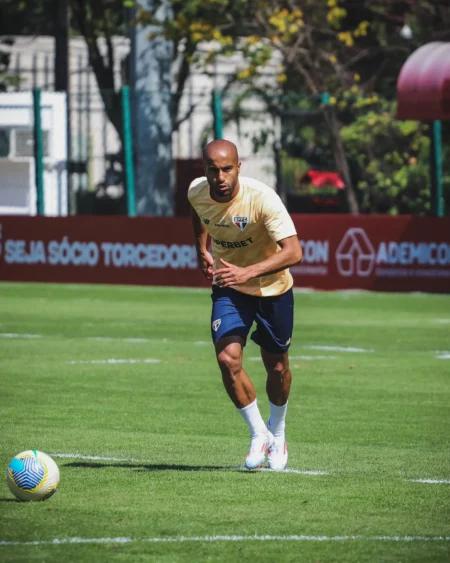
229	354
278	370
229	362
276	365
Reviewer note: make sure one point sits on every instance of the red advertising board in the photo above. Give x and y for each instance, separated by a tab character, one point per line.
379	253
376	252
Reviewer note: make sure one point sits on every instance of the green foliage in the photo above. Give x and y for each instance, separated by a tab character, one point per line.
38	17
8	78
27	17
390	157
292	170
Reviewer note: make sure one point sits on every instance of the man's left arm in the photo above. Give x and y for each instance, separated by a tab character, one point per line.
289	255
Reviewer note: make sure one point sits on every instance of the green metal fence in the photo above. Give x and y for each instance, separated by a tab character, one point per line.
395	167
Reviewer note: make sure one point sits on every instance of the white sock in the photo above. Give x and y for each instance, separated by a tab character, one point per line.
277	419
253	418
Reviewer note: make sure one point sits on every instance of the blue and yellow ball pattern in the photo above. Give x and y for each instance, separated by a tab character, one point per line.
33	475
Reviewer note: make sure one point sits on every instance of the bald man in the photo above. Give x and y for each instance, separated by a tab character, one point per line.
254	242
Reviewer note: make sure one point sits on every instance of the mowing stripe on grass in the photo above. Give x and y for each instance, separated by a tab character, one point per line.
431	481
234	538
339	349
117	361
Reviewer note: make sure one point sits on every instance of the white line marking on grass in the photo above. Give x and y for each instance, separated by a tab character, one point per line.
308	358
443	321
96	458
443	356
240	467
202	343
227	538
115	339
18	335
339	349
312	357
297	471
431	481
117	361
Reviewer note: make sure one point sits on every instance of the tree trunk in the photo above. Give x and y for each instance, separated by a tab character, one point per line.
152	66
341	158
113	109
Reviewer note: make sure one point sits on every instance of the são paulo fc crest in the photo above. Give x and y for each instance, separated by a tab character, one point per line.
240	222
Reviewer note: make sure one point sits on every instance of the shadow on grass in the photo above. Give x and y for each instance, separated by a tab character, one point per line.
155	467
9	500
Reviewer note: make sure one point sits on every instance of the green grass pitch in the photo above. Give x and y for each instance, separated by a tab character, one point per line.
154	450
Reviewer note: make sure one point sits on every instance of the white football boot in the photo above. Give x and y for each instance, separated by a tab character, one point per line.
258	449
277	455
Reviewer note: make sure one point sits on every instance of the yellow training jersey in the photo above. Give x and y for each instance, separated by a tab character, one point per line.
245	230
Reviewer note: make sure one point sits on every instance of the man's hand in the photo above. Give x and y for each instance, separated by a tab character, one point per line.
206	262
230	275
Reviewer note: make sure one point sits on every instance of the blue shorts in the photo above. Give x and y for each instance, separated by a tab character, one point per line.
233	313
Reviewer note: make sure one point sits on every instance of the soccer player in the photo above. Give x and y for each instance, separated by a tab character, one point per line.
254	242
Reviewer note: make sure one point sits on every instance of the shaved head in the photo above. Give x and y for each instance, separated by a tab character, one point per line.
221	147
222	166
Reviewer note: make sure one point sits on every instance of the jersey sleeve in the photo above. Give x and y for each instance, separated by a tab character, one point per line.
195	187
276	218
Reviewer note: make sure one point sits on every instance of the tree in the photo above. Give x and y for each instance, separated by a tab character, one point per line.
95	20
7	78
389	157
322	48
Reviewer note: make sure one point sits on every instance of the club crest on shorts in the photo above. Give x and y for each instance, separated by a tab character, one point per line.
216	324
240	222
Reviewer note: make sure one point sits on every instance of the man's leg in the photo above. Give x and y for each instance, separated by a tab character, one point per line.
240	389
279	377
278	386
275	323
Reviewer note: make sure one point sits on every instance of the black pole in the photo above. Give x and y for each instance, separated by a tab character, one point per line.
62	83
61	46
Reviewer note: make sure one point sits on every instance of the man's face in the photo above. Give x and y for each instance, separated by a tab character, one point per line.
222	171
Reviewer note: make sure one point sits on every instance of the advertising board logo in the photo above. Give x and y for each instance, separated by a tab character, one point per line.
355	255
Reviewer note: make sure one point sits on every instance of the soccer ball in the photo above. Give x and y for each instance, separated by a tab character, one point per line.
32	475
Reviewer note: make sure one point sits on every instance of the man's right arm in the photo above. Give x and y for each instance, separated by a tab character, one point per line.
205	259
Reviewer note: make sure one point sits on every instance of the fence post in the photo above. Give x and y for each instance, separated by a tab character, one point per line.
325	98
218	114
128	152
38	152
437	197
